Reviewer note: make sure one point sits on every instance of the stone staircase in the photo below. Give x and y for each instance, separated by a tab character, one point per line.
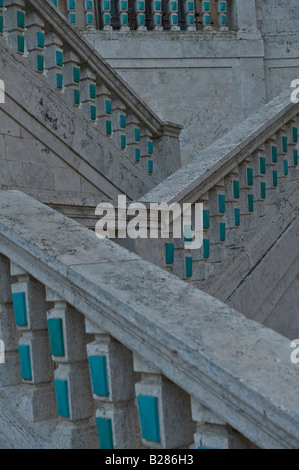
117	353
87	136
101	344
248	185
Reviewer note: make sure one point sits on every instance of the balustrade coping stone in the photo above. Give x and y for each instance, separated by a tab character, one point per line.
91	58
237	368
212	164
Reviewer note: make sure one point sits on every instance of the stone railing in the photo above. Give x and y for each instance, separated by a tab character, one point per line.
161	15
38	31
143	15
126	354
248	184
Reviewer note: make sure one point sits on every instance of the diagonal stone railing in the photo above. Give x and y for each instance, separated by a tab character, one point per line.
247	182
38	31
80	315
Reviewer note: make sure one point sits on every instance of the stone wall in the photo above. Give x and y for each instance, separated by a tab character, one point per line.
277	16
29	165
207	82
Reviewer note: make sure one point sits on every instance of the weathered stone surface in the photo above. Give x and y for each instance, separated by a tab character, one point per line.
167	324
226	361
200	80
272	286
193	179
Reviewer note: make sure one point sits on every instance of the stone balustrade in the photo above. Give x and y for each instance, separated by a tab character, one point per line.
248	185
40	33
143	15
106	350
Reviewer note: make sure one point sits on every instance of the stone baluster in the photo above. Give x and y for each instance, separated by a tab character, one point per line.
36	396
271	172
147	150
157	15
177	257
54	60
246	195
188	265
173	13
133	138
170	255
119	124
293	149
35	41
15	24
106	14
232	192
206	228
182	256
140	15
201	257
189	254
205	13
283	156
1	17
222	14
74	402
71	11
164	410
176	252
189	7
217	233
9	359
259	188
71	78
88	91
112	379
90	19
104	110
123	15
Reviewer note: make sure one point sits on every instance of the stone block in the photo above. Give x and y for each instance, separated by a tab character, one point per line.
118	370
174	413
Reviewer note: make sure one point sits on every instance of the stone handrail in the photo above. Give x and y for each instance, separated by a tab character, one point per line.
186	345
54	47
